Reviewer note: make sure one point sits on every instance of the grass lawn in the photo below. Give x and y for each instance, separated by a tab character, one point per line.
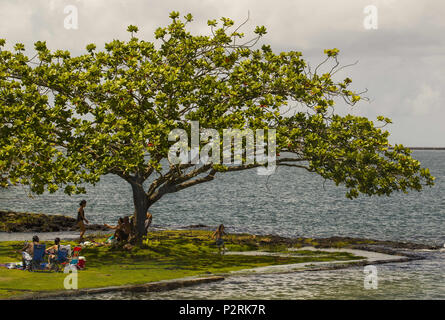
167	255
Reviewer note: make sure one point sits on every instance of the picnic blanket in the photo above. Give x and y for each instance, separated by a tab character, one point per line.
12	265
19	265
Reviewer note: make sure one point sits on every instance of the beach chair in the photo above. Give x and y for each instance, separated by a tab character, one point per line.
37	258
62	258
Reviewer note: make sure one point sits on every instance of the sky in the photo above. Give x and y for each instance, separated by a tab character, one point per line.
400	60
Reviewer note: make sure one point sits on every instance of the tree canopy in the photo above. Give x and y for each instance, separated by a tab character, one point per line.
69	120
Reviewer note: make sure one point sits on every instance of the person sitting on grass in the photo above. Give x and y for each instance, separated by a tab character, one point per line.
218	235
126	229
53	250
131	227
133	232
122	229
117	227
28	251
147	222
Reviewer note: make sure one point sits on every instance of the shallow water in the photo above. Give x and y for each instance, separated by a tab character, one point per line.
288	203
422	279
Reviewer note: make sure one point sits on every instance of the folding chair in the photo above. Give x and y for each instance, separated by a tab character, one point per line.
61	258
37	258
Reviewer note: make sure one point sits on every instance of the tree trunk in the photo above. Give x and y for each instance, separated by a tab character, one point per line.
141	205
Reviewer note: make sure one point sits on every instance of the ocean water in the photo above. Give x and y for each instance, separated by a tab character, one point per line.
288	203
291	202
420	279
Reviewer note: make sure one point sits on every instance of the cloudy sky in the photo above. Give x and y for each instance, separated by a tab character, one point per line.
401	63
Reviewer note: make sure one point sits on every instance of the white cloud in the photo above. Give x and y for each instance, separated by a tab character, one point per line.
400	62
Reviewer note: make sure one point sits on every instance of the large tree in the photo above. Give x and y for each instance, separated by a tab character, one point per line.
67	121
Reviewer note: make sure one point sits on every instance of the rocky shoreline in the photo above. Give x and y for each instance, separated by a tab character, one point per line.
38	222
383	246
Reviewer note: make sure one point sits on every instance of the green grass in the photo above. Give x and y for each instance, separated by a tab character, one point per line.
167	255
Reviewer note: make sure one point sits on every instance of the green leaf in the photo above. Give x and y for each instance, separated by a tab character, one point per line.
132	28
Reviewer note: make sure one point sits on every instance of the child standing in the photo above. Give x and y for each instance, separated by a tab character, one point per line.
218	235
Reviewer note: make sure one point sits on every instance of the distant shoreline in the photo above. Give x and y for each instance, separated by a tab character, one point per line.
425	148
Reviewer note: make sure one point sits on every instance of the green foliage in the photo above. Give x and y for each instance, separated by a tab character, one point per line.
132	28
69	120
332	52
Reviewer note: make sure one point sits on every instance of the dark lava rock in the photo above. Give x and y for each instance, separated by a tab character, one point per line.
382	246
39	222
197	226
